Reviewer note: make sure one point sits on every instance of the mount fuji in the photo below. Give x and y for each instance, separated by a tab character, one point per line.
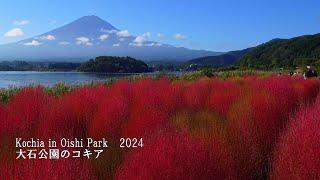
90	36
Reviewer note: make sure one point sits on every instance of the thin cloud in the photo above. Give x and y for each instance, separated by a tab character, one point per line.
180	36
146	44
32	43
108	31
15	32
64	43
21	23
48	37
83	41
103	37
124	33
146	34
160	35
140	40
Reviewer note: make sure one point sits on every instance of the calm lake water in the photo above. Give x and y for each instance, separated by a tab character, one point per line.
27	78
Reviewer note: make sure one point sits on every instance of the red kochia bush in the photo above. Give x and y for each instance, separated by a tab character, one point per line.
306	90
195	95
153	93
208	129
253	124
22	114
146	122
1	108
1	113
222	96
243	138
112	112
146	93
151	107
282	89
2	119
71	113
43	169
298	154
177	156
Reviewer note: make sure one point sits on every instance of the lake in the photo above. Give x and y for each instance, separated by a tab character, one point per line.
27	78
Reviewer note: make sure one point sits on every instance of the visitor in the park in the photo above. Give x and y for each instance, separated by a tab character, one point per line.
310	72
291	73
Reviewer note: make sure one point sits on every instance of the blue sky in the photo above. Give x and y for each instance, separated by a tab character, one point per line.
218	25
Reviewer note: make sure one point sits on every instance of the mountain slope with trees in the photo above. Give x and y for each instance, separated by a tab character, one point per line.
299	51
220	60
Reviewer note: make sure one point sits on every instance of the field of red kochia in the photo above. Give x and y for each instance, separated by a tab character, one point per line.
240	128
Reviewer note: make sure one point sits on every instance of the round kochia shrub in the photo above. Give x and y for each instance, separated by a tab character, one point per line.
253	125
206	125
195	95
47	169
177	156
307	90
71	113
111	112
1	116
298	153
22	114
223	94
146	122
219	129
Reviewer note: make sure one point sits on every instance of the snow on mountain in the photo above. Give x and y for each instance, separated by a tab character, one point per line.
91	36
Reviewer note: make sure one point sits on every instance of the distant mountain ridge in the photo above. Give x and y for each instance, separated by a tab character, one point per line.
287	53
226	59
298	51
90	36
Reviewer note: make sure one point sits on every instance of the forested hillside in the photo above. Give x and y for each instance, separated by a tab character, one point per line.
299	51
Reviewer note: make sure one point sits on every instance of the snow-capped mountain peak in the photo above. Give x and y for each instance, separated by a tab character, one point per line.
91	36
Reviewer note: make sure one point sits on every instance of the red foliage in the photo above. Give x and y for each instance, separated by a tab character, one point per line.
237	124
195	95
160	94
39	169
298	154
282	89
2	108
152	104
71	113
177	156
223	96
307	90
146	122
243	138
112	112
23	113
257	118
